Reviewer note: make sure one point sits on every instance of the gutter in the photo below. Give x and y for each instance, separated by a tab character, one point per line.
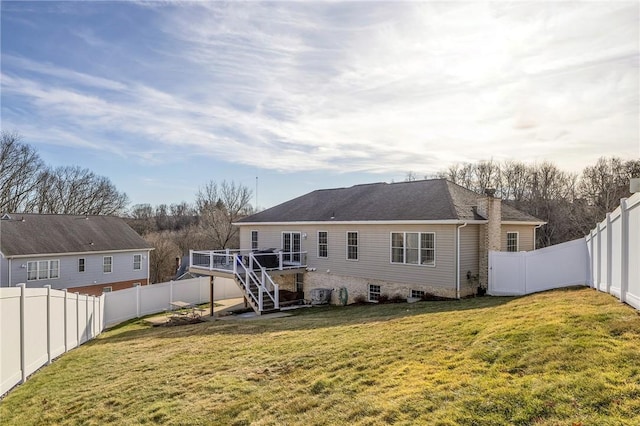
458	259
535	237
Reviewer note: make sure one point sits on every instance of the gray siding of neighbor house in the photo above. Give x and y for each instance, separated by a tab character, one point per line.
469	258
526	237
122	270
374	251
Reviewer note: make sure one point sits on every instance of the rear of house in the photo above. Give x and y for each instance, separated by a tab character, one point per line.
401	239
85	254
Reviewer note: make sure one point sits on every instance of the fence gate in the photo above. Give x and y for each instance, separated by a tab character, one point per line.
562	265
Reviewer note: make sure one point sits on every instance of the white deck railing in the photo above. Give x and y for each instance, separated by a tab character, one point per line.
245	264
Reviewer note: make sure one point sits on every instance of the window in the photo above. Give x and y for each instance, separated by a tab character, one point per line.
81	263
107	264
352	246
299	282
512	241
323	244
417	294
374	292
137	262
43	270
414	248
254	240
107	289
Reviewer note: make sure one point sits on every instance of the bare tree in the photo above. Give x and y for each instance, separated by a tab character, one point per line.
21	171
219	205
73	190
162	260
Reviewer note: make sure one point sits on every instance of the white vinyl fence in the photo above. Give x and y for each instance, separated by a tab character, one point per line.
614	249
40	324
516	274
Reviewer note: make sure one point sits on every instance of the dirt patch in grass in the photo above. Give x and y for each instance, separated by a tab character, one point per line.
561	357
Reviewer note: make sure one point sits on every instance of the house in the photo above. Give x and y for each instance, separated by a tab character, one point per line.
85	254
408	239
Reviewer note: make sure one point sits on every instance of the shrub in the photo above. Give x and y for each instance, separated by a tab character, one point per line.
359	300
383	298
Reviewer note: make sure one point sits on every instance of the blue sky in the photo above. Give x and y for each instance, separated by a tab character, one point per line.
162	97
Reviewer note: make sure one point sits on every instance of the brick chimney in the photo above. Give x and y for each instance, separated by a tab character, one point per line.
490	208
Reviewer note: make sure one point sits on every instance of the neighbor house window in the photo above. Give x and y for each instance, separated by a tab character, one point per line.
107	289
352	246
414	248
43	270
374	292
81	263
137	262
107	264
417	294
512	241
323	244
254	240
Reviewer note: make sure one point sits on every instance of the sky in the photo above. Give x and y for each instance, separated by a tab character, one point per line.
163	97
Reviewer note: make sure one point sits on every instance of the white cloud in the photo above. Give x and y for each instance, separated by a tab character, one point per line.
385	87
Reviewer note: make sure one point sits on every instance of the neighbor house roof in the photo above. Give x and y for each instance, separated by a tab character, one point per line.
35	234
424	200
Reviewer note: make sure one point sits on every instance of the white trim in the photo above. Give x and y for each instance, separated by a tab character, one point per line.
110	264
346	254
372	222
257	239
517	242
318	245
404	248
76	253
48	269
134	262
369	292
84	265
515	222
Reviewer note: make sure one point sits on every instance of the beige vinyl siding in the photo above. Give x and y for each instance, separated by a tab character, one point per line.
469	258
525	237
374	251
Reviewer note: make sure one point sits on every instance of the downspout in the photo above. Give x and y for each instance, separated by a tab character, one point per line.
458	259
9	272
535	235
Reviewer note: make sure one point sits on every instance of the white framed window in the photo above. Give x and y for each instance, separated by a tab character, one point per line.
323	244
137	262
512	241
43	270
81	264
352	245
413	248
374	292
254	240
107	264
417	294
107	289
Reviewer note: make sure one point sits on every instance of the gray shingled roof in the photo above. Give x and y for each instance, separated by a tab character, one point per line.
26	234
436	199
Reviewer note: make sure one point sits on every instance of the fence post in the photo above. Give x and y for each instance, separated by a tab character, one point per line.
624	252
609	253
599	274
65	320
86	316
48	287
23	355
591	259
78	333
137	301
170	292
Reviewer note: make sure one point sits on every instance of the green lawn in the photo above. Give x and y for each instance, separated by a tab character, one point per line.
567	357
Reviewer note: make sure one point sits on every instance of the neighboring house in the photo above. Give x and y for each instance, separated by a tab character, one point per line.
406	239
85	254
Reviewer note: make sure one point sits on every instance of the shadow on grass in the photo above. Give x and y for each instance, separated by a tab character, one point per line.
301	319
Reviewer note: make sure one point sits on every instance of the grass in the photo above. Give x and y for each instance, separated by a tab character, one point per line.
569	357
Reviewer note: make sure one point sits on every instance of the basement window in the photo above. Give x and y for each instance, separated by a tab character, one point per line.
374	292
417	294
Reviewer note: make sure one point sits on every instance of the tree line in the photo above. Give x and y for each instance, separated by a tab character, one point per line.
571	203
207	224
27	184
